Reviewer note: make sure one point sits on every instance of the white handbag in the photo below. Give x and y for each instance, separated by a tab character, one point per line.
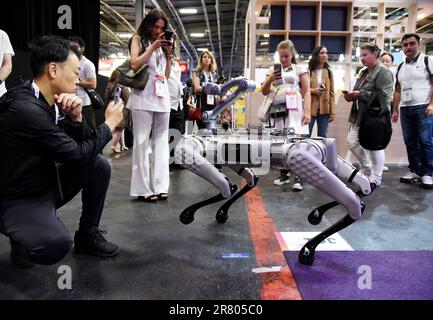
263	111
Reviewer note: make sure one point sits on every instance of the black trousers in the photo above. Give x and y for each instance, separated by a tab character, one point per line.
177	123
89	115
33	225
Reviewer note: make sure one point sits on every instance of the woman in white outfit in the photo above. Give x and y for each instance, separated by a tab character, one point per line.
291	106
151	109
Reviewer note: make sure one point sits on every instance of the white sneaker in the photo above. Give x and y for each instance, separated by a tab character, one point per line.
282	179
409	177
376	180
297	185
385	169
427	182
366	171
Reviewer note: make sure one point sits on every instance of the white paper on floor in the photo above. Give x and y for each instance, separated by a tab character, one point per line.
267	269
294	241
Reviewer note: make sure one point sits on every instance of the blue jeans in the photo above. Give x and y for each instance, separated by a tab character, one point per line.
322	125
417	134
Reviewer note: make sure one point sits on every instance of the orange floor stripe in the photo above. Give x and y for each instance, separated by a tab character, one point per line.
279	285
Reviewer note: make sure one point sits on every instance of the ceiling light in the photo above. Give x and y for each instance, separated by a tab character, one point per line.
202	49
266	35
101	12
124	35
188	11
197	35
264	43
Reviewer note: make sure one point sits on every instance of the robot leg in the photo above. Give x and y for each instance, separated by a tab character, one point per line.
189	153
345	171
252	180
306	162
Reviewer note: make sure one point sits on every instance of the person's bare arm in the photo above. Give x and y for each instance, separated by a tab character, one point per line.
196	82
305	92
89	83
6	67
396	102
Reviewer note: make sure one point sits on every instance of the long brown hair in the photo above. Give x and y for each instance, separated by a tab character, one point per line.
315	59
146	26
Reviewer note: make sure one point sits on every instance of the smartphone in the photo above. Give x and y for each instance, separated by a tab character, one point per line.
168	34
117	94
277	67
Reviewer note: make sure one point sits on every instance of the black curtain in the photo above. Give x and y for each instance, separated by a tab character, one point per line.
25	20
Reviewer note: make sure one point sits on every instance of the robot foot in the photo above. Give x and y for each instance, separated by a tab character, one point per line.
222	214
187	215
306	255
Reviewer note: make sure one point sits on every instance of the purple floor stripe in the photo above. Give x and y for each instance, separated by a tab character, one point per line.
395	275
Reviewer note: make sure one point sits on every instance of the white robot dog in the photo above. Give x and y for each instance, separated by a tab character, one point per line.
251	150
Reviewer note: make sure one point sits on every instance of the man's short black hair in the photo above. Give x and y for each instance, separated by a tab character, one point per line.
410	35
78	40
45	50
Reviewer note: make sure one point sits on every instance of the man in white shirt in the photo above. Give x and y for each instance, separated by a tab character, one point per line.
87	79
413	94
177	123
6	54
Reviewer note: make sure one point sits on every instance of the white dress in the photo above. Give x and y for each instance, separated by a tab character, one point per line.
290	82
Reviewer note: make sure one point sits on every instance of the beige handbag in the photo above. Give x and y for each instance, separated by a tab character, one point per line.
263	112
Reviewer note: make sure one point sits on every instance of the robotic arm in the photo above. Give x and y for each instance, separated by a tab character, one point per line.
242	84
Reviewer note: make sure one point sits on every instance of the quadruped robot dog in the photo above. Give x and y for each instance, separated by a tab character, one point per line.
249	151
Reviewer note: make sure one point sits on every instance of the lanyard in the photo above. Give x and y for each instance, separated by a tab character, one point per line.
37	92
210	79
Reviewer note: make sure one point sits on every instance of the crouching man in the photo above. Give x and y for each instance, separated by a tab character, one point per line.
49	154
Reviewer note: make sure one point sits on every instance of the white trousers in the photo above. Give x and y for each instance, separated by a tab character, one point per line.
148	179
371	161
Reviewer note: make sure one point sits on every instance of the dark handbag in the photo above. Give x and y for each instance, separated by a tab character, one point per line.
97	101
375	128
130	78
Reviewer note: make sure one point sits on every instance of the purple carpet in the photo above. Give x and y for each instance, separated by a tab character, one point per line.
395	275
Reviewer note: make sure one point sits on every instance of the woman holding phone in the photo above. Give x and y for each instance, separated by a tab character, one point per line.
206	72
322	91
290	107
151	108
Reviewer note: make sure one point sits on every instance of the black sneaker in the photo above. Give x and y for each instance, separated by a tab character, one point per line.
282	179
94	243
18	256
297	184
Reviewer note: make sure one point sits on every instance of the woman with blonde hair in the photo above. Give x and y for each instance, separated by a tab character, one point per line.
206	72
291	104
